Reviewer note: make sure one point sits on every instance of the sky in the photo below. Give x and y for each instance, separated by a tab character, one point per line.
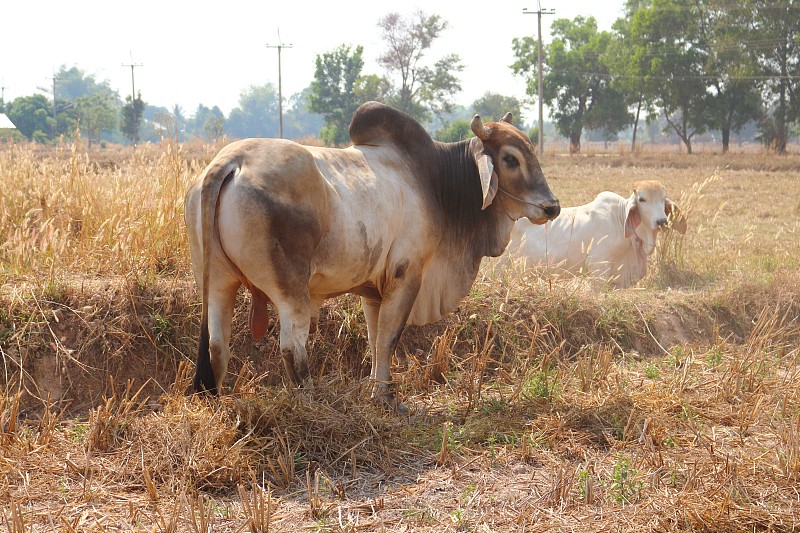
208	52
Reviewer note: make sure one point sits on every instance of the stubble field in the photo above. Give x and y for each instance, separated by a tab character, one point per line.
538	405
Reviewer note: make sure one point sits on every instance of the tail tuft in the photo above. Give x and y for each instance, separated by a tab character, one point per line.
204	375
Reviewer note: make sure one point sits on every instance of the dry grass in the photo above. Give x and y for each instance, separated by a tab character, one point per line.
538	405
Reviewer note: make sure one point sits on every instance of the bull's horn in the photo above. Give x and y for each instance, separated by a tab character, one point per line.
508	117
480	131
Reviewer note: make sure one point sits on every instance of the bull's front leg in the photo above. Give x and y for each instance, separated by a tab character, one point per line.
391	320
371	311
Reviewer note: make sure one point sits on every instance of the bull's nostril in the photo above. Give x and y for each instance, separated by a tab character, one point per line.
552	211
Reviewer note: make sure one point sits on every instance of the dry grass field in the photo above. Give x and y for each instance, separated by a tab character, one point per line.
539	405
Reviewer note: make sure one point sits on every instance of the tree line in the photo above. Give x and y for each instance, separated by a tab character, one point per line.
689	66
698	65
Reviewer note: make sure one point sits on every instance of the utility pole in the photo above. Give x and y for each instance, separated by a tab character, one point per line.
279	46
540	12
133	85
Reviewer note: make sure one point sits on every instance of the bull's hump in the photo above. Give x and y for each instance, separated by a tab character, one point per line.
378	124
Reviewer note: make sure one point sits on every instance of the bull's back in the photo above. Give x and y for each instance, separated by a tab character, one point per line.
575	240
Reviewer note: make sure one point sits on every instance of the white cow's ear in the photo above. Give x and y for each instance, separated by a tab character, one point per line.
675	220
632	218
488	179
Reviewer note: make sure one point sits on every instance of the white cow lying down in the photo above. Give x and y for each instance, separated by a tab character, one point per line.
609	238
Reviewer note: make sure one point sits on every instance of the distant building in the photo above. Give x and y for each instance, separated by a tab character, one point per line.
5	123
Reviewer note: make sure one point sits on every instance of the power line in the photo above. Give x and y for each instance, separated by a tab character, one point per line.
676	77
279	46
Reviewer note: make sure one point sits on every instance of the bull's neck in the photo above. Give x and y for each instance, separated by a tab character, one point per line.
459	196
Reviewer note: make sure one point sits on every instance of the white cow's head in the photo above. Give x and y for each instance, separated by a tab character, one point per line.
648	210
508	166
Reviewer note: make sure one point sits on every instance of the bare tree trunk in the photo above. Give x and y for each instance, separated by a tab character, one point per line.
780	122
636	125
574	142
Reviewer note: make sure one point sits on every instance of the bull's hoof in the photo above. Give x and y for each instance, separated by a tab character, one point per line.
389	402
297	371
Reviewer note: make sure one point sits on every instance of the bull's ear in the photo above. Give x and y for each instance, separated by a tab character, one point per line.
632	218
675	219
488	179
508	117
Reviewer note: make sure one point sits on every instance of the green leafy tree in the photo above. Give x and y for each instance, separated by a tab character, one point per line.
672	36
458	130
73	83
577	78
333	91
299	121
735	98
777	52
422	90
206	122
132	113
97	115
30	114
492	106
257	113
628	57
373	87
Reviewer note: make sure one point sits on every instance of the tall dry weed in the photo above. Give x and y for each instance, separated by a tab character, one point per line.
670	264
67	211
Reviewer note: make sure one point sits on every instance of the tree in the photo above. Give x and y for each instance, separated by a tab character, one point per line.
179	122
458	130
422	90
30	115
333	91
257	114
675	64
373	87
97	114
492	106
628	57
577	78
73	83
206	122
132	113
777	23
735	99
299	121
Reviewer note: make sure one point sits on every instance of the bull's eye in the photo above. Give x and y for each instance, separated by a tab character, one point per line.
511	161
641	199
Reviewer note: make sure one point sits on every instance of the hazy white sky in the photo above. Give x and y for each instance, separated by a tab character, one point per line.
208	52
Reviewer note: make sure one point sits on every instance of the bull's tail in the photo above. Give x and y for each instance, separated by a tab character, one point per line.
218	173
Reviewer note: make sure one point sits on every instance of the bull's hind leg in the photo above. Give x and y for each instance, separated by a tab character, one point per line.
294	315
221	301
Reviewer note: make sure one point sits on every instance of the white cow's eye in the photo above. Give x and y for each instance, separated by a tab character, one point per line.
642	199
